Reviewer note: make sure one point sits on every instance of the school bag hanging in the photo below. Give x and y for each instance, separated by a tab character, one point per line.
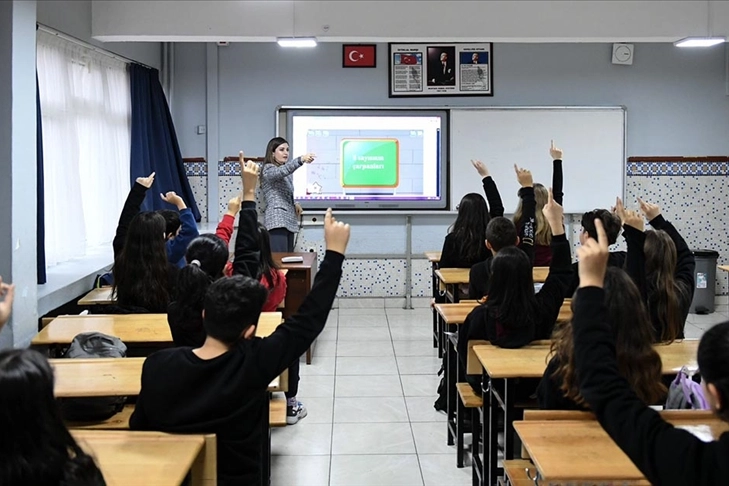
93	345
685	393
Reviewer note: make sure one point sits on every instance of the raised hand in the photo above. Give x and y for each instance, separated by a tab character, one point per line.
650	210
336	233
619	210
172	198
234	205
480	167
554	152
593	256
7	294
632	218
249	172
146	181
524	177
308	158
554	214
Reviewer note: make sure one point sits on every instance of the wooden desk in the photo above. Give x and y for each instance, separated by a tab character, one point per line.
503	366
100	296
539	274
724	267
582	452
104	377
299	279
154	458
130	328
457	313
433	256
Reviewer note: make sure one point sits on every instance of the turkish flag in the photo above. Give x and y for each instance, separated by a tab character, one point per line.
408	59
359	55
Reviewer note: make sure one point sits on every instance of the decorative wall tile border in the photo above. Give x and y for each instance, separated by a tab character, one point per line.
637	169
196	169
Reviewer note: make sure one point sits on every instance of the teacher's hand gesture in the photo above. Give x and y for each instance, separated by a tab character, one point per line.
308	158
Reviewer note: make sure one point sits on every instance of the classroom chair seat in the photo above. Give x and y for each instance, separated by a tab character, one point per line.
277	412
469	398
515	471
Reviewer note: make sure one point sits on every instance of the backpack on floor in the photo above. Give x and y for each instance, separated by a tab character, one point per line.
93	345
685	393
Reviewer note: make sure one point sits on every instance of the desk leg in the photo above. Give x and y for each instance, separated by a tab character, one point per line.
493	447
460	409
434	286
475	445
266	444
509	413
450	383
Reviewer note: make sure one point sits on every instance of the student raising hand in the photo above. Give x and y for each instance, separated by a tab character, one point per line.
554	214
7	293
146	181
593	256
555	152
249	171
234	206
336	233
651	211
524	177
172	198
480	168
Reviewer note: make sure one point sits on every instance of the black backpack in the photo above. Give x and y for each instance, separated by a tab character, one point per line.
93	345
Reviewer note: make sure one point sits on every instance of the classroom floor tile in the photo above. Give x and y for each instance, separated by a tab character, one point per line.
369	393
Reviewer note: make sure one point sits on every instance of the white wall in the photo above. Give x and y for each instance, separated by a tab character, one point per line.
73	17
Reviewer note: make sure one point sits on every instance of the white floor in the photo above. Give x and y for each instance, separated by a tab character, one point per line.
370	393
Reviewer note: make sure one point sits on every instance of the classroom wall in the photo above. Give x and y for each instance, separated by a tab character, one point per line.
73	17
676	101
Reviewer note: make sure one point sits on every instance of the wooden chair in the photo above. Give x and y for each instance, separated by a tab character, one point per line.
519	472
469	402
205	466
277	412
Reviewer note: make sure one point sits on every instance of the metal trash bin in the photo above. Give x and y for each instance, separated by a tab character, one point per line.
705	279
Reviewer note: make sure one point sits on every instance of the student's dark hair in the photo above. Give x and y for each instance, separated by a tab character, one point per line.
268	266
35	446
664	293
500	233
140	271
469	228
610	222
232	304
209	254
172	221
273	144
713	360
511	298
638	361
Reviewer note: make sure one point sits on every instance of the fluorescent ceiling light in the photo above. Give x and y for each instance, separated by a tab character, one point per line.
297	41
699	41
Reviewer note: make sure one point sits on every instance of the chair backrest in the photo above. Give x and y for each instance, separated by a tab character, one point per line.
473	366
205	468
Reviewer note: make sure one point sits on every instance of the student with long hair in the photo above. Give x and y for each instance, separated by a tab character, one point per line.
35	446
7	294
143	278
662	266
662	452
632	331
277	186
513	314
543	235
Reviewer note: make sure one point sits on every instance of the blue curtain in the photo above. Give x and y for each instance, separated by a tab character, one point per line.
40	211
154	141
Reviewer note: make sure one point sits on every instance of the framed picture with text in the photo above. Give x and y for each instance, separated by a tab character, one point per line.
440	69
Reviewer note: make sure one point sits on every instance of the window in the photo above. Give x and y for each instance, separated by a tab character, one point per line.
86	113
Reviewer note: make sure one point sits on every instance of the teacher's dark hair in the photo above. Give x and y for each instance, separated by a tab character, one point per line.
273	144
35	446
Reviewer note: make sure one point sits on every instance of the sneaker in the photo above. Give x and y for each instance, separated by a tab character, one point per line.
295	413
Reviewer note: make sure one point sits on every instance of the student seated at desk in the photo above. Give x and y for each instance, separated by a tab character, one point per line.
632	331
514	315
662	266
664	454
35	446
542	237
500	233
221	387
612	224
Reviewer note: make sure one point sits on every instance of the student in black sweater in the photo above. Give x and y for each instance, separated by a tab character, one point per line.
632	330
612	224
662	266
500	233
664	454
464	245
513	315
221	387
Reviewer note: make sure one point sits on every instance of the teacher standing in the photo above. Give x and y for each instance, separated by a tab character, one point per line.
277	186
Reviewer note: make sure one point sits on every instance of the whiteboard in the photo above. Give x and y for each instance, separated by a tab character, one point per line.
593	141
